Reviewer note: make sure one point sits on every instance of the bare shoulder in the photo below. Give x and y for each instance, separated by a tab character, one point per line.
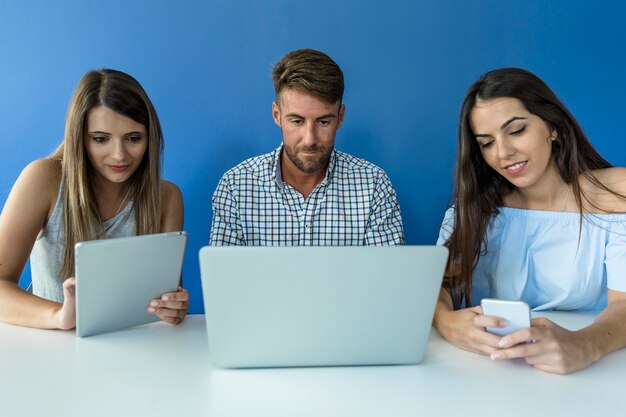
170	193
42	178
172	206
614	179
615	175
46	167
31	201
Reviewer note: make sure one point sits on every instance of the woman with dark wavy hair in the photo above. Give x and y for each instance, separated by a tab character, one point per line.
538	215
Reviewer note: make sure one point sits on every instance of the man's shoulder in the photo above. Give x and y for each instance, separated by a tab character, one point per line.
350	164
258	167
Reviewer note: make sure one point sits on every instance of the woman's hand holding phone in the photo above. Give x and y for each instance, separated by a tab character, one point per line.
553	348
515	313
465	329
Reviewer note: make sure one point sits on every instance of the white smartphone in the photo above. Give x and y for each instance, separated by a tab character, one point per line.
516	313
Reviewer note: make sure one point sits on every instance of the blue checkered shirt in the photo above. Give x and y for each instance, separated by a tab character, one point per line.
355	204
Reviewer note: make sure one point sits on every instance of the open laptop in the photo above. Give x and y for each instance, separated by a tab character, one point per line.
319	306
116	278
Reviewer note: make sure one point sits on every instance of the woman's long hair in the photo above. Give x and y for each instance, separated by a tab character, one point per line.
479	190
81	220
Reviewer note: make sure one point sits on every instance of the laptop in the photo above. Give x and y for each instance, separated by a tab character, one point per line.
319	306
116	278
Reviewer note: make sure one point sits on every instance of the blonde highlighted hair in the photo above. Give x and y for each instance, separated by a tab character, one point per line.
81	220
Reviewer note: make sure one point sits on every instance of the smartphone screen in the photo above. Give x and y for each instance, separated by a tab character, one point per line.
516	313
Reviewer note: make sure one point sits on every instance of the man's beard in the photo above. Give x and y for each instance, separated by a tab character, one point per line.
313	166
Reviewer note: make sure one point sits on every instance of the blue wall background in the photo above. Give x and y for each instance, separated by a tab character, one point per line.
206	66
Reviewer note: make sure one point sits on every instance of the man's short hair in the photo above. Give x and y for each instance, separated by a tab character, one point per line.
311	72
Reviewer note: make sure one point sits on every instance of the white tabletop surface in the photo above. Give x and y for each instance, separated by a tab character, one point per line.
163	370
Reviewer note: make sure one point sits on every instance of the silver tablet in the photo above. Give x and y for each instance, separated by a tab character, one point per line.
116	278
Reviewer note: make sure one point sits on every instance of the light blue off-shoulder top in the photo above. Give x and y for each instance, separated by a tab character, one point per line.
536	256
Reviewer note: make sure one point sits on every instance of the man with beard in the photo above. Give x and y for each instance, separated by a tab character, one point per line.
306	193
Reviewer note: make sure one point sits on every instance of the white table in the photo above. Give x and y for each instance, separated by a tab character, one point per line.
163	370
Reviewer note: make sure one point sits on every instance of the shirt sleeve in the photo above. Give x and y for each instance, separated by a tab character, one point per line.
384	226
447	227
226	226
615	260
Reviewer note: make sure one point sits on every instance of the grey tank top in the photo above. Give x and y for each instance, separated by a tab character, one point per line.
47	254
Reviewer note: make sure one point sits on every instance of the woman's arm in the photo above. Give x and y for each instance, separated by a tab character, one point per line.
465	328
609	328
171	307
173	214
25	213
558	350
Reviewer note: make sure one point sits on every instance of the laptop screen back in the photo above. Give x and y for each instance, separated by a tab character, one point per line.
315	306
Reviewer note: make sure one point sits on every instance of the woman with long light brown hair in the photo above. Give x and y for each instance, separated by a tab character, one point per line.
538	215
103	181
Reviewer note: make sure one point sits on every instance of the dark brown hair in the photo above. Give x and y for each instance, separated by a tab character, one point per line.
479	190
309	71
